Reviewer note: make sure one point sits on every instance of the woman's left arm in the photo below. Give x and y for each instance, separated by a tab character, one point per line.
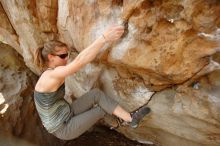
88	54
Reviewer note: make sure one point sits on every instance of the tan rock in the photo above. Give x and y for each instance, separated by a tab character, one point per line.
166	44
130	92
82	81
180	118
7	33
19	121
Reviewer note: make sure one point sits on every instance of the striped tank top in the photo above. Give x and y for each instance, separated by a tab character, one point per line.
53	109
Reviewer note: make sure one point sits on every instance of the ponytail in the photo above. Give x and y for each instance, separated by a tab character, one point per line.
39	59
40	55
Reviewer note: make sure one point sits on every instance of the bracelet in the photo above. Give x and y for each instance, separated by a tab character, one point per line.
104	37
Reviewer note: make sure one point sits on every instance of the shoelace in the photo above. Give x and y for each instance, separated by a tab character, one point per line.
137	116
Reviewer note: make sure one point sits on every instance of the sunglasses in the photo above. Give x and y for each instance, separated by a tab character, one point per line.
62	56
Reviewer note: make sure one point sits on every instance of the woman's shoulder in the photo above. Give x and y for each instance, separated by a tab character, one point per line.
47	83
46	70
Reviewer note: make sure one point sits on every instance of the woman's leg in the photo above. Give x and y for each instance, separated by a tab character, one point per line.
86	115
78	124
96	96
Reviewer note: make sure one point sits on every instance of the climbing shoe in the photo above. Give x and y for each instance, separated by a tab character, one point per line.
138	115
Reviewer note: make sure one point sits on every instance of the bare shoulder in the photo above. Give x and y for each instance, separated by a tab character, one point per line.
47	83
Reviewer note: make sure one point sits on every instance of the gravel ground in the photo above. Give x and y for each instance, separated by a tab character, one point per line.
103	136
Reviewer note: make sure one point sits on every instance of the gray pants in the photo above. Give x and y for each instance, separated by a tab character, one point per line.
86	114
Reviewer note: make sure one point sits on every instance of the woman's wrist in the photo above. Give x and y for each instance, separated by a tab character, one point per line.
103	39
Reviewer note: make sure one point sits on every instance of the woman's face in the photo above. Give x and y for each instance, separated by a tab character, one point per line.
60	57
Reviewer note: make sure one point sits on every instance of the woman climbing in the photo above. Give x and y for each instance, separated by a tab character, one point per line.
70	120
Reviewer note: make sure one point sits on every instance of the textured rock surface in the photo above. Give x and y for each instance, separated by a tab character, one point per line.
18	116
165	59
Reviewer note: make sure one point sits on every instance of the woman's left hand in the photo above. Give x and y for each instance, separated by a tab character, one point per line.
113	33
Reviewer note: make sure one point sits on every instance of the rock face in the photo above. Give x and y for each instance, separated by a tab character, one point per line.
18	116
168	59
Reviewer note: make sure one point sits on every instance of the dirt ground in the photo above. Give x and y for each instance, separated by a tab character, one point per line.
103	136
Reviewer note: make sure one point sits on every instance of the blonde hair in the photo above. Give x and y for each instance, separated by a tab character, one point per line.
40	55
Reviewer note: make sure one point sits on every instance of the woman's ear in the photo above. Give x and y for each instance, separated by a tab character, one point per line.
50	57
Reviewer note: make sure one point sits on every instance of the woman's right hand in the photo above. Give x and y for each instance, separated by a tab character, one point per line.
113	33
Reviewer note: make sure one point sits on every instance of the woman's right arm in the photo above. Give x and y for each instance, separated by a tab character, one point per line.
87	55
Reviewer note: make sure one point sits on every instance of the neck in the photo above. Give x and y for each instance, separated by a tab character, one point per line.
50	65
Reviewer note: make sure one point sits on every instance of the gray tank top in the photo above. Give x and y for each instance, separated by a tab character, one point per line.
53	109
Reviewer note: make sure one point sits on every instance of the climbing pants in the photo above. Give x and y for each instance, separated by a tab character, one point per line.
87	110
